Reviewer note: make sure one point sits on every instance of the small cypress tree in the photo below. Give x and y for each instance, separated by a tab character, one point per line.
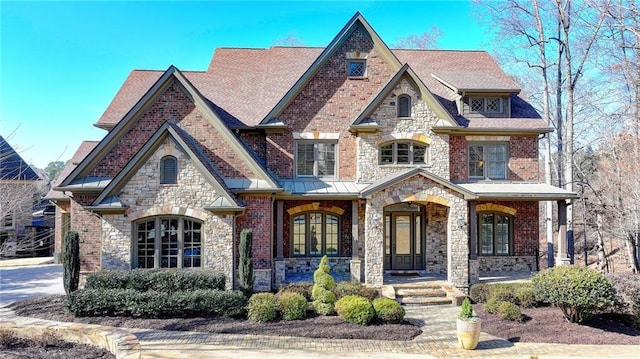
245	270
71	264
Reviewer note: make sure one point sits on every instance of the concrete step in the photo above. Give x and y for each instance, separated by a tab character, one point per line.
420	292
424	300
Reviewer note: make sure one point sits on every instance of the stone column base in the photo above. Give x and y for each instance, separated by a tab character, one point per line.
355	267
262	281
474	271
280	273
563	261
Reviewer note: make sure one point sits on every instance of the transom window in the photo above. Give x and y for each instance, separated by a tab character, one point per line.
315	159
411	153
404	106
168	170
356	68
486	104
315	234
168	242
495	234
488	161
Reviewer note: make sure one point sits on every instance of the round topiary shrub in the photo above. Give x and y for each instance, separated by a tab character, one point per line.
510	311
263	307
577	290
479	293
388	310
491	306
355	309
293	306
323	298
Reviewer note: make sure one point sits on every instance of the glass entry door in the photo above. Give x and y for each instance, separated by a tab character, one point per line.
403	241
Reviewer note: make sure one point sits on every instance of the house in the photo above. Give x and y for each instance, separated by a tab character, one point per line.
384	160
20	190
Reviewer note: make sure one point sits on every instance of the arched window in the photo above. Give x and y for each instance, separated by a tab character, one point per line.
168	170
168	242
403	152
404	106
315	234
495	234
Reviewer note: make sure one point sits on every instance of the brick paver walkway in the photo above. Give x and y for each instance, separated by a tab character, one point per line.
437	341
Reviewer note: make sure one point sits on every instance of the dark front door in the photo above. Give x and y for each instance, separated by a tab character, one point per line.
403	241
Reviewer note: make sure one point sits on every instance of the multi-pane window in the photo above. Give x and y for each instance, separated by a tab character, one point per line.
315	234
488	161
411	153
168	170
316	159
356	68
404	106
494	233
168	242
486	104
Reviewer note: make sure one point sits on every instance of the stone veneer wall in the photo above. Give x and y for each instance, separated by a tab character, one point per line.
146	197
308	265
507	264
417	189
417	127
435	251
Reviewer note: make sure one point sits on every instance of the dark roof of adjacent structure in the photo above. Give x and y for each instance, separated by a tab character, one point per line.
12	166
82	152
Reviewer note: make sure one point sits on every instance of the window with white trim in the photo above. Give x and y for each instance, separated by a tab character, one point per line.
403	152
404	106
168	170
356	68
168	242
495	234
485	104
315	159
315	234
488	161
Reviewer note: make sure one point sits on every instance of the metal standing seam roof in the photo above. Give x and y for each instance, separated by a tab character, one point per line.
318	187
517	190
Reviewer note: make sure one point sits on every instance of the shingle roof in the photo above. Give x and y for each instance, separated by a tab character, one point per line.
12	166
243	85
82	152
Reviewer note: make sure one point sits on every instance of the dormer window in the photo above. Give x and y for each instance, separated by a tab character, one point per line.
486	104
404	106
168	170
356	68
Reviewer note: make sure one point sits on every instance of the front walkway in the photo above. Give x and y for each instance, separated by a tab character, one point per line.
437	341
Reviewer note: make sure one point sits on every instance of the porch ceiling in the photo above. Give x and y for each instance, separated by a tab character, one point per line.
523	191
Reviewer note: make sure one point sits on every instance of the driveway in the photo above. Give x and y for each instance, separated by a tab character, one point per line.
24	282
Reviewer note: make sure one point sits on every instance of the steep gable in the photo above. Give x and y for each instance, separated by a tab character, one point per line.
12	166
172	97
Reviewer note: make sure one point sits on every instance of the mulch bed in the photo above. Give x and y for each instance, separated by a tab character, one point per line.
547	325
21	348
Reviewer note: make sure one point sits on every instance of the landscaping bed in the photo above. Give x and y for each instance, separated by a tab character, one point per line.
47	347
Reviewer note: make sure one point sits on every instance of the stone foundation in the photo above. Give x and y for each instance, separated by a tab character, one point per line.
262	280
507	264
340	266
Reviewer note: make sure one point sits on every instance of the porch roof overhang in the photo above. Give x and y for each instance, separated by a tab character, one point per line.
397	177
517	191
314	187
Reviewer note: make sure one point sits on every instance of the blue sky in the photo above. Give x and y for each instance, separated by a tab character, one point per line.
62	62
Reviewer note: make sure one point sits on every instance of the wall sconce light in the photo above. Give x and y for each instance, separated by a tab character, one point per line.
460	221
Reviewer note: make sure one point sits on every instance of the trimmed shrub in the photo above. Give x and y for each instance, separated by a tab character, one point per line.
578	291
355	309
159	280
263	307
388	310
323	298
479	293
526	296
369	293
132	303
347	288
71	261
293	306
245	267
503	293
303	288
510	311
491	306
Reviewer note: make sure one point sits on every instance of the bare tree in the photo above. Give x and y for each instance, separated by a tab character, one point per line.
290	40
424	41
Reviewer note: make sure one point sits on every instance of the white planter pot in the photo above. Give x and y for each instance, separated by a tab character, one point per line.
468	333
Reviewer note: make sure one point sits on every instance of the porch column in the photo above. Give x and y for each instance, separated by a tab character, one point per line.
563	258
279	230
474	261
355	265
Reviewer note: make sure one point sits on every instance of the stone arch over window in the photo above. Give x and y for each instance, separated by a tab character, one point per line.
168	170
167	242
315	233
492	207
404	105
